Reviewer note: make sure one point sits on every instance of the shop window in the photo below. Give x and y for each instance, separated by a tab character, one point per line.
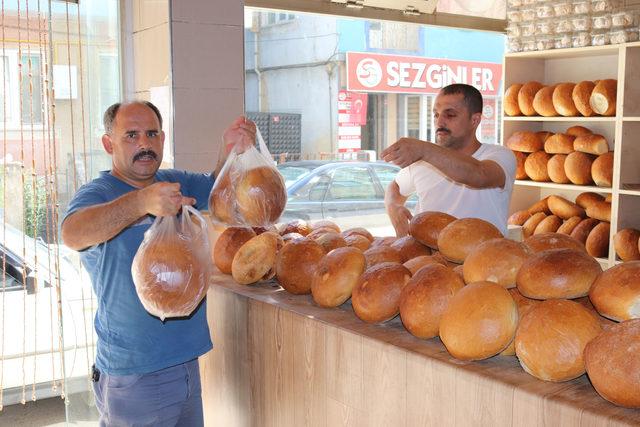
21	102
351	184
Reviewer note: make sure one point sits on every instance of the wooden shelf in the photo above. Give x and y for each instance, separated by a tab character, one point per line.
558	119
576	52
569	187
630	192
631	119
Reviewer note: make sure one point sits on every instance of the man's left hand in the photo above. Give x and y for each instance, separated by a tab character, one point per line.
240	135
406	151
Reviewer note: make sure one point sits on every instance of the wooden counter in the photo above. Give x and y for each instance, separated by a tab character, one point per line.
279	360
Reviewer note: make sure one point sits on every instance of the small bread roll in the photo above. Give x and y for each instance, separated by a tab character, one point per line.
581	95
563	100
541	205
479	322
462	236
568	225
559	143
612	361
518	218
324	223
581	231
525	141
530	225
337	274
426	226
603	97
376	297
228	244
543	102
536	166
358	241
382	241
526	95
591	144
331	241
545	241
408	247
563	208
296	265
299	226
524	305
496	260
555	168
587	198
602	170
548	225
320	231
551	339
616	292
359	231
379	254
626	244
557	273
415	264
510	100
520	159
256	258
577	131
597	243
577	166
601	211
426	297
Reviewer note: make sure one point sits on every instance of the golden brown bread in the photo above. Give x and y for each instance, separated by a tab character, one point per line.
255	259
525	141
544	241
591	144
563	100
544	135
551	338
600	210
325	223
581	95
415	264
557	273
289	237
597	243
330	241
379	254
608	198
577	166
543	102
577	131
563	208
526	96
228	244
603	97
337	274
541	205
555	169
559	143
221	201
510	100
299	226
548	225
612	361
358	241
479	322
520	159
296	264
616	292
530	225
426	226
581	231
518	217
524	305
408	247
317	232
358	231
426	297
627	245
261	196
536	166
496	260
568	225
376	296
602	170
382	241
461	236
587	198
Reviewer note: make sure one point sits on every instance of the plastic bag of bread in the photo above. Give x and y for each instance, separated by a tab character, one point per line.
172	267
249	191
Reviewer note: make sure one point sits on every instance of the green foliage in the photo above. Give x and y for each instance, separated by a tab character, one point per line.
34	203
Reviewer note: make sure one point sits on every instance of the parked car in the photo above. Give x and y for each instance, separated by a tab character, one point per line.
348	193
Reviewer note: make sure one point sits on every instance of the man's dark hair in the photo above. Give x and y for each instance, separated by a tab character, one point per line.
472	96
110	114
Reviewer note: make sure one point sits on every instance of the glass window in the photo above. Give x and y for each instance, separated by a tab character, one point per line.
314	190
292	173
352	183
385	175
31	89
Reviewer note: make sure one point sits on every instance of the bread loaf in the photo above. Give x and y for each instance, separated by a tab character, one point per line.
461	236
256	258
559	143
323	224
612	361
358	241
543	102
315	233
545	241
581	95
357	231
541	205
591	144
510	100
296	265
228	244
587	198
536	166
337	274
581	231
577	131
544	135
415	264
426	226
261	196
526	96
289	237
597	243
524	305
568	225
616	292
530	225
408	247
563	208
330	241
495	260
221	199
603	97
548	225
518	218
563	100
380	254
601	211
382	241
520	159
525	141
376	297
627	245
296	226
602	170
577	166
555	168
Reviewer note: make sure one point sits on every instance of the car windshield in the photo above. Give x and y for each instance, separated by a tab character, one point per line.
293	173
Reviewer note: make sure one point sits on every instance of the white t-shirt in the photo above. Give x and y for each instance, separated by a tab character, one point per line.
436	192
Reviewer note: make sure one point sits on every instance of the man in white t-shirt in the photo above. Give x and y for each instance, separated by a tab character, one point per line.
458	174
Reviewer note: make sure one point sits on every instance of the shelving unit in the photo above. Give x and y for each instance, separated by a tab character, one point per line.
621	62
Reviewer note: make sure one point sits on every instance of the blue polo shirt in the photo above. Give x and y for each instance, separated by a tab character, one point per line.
130	340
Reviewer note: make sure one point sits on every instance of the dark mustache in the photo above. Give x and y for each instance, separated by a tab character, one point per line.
143	153
443	130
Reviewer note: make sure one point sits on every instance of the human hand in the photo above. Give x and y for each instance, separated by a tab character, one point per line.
405	151
163	199
400	217
240	135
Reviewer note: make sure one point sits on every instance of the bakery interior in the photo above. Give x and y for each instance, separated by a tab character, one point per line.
457	324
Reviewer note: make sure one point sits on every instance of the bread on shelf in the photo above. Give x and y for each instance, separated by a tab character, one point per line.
602	170
510	101
603	97
563	100
536	166
543	102
559	143
577	166
581	95
555	169
525	141
526	96
591	143
626	243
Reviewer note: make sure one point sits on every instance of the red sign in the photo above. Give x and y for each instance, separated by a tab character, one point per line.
372	72
352	108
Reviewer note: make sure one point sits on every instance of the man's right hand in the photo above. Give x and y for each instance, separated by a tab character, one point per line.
400	217
163	199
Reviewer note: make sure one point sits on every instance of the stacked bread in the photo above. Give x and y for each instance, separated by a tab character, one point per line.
626	243
576	156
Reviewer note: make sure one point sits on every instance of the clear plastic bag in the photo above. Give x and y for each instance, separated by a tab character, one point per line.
172	266
250	190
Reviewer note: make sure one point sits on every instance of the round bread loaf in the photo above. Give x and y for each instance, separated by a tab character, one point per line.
603	97
526	96
616	292
520	159
518	217
551	338
568	225
228	244
557	273
555	169
299	226
357	231
331	241
255	259
415	264
479	322
408	247
380	254
382	241
323	224
581	95
600	210
586	302
426	297
543	102
289	237
602	170
587	198
426	226
320	232
559	143
530	225
612	360
510	100
261	196
524	305
358	241
536	166
548	225
591	144
525	141
376	297
495	260
461	237
563	208
577	131
597	242
544	135
221	201
296	264
627	245
563	100
577	166
545	241
541	205
581	231
337	274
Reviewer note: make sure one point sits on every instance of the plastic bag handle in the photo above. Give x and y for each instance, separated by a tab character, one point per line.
193	211
263	147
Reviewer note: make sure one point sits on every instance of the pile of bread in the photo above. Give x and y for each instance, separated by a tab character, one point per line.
587	220
576	156
626	243
459	279
586	99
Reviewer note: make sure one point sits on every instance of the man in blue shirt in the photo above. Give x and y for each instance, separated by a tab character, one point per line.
146	370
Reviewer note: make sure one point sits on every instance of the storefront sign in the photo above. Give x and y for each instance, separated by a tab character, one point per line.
370	72
352	113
